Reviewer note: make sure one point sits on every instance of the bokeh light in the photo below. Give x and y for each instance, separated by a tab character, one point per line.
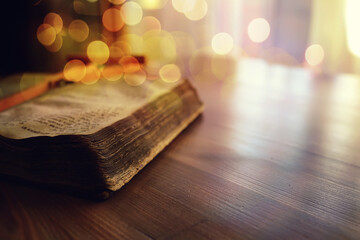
259	30
112	72
136	78
92	74
152	4
222	43
129	64
117	2
131	13
314	54
148	23
170	73
352	18
159	47
119	49
195	9
46	34
74	70
112	19
55	21
98	52
179	5
78	30
56	45
135	41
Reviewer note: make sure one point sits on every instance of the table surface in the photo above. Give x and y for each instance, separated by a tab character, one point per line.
275	155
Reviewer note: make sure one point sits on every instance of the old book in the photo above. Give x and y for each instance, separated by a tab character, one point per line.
93	138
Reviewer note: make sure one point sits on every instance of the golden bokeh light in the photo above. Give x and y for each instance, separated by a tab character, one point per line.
222	43
352	18
152	69
78	30
159	47
98	52
74	70
131	13
314	54
112	20
135	41
170	73
55	21
129	64
56	45
179	5
152	4
46	34
195	9
119	49
258	30
148	23
117	2
113	72
136	78
92	74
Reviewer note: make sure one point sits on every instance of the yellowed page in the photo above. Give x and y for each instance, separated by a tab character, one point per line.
78	109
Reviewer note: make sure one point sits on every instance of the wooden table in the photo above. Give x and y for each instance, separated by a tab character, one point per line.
276	155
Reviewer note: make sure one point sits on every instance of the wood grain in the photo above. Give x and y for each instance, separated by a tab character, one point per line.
274	156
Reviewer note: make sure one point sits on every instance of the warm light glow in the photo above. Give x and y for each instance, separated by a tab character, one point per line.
152	4
222	43
170	73
195	9
259	30
56	45
179	5
185	44
112	20
131	13
159	47
129	64
92	74
113	72
119	49
98	52
74	70
78	30
352	19
55	21
148	23
135	41
46	34
314	54
135	79
117	2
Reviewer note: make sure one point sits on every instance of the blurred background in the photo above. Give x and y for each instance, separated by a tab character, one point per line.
178	36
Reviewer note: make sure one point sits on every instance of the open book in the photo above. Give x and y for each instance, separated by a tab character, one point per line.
93	138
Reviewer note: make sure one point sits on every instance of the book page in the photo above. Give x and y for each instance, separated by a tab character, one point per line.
78	109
